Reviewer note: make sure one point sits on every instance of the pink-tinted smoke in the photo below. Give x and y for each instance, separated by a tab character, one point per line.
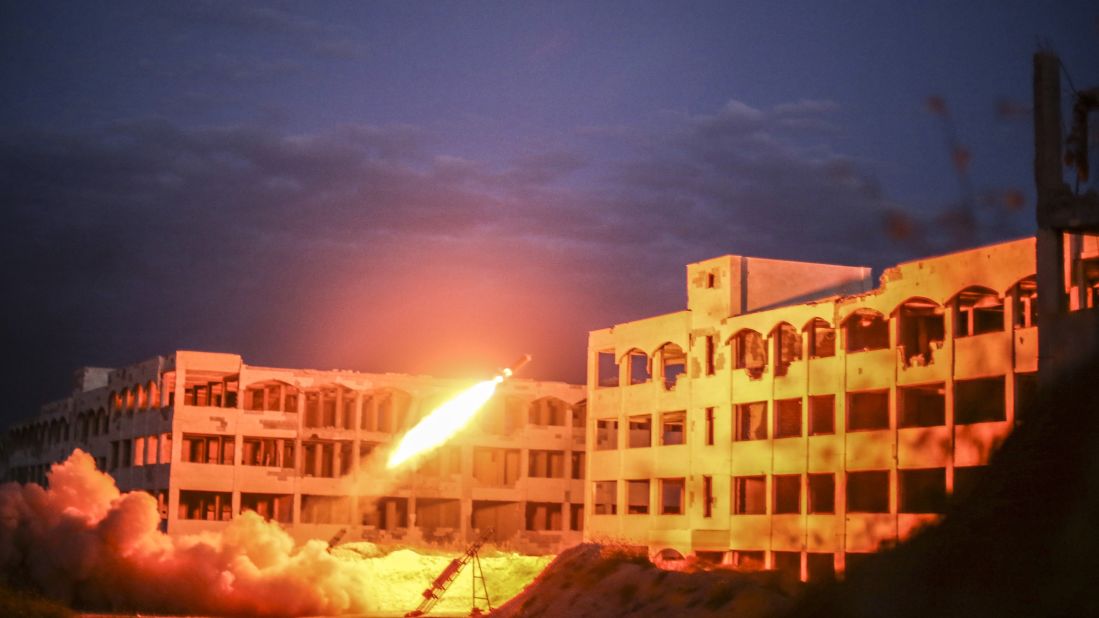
84	542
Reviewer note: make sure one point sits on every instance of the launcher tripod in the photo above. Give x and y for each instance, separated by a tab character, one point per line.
443	582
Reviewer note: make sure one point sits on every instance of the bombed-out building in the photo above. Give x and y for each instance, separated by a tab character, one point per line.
796	417
211	436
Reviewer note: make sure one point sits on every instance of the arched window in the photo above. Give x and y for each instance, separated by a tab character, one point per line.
1025	294
673	363
977	311
821	337
639	370
920	331
787	346
866	330
749	352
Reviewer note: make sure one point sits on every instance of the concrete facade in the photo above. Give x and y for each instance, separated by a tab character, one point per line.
210	436
794	418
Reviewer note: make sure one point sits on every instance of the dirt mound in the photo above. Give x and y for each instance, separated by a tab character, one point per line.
597	580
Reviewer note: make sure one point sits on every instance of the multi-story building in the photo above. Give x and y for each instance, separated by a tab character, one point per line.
211	436
794	418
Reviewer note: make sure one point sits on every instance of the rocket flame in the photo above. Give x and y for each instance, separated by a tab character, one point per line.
445	421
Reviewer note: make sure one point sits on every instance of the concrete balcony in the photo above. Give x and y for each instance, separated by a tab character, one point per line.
749	532
870	450
866	532
923	447
787	532
974	444
825	375
983	355
870	370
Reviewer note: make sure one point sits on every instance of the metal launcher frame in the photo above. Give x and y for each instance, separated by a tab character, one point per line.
443	582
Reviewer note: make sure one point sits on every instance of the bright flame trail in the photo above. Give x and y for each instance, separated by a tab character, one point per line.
448	419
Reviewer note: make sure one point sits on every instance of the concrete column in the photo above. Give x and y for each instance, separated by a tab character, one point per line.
949	345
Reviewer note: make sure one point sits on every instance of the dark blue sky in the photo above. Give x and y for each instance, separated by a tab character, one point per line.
438	186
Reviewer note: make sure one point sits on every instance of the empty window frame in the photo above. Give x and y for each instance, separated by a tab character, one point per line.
788	564
640	371
1026	395
673	364
272	507
576	517
787	347
978	311
606	369
822	415
711	351
641	431
921	491
708	496
787	494
580	416
788	418
867	411
606	434
496	467
318	459
576	465
273	397
749	350
979	401
267	452
548	411
921	328
205	449
751	421
820	567
822	339
821	493
673	496
868	492
866	330
1081	270
748	560
325	509
921	406
749	495
673	428
605	497
546	464
205	505
542	516
1025	294
637	497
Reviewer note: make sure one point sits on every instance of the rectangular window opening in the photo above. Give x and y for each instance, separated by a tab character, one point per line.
922	406
751	421
868	411
788	418
749	495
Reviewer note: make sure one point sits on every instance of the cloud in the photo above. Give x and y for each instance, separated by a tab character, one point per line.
371	247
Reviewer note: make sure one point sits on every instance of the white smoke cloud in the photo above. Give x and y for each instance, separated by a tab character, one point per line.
84	542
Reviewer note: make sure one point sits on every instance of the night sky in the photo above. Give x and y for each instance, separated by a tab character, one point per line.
440	187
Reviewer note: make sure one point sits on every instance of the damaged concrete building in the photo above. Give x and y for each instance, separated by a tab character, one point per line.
211	436
795	417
